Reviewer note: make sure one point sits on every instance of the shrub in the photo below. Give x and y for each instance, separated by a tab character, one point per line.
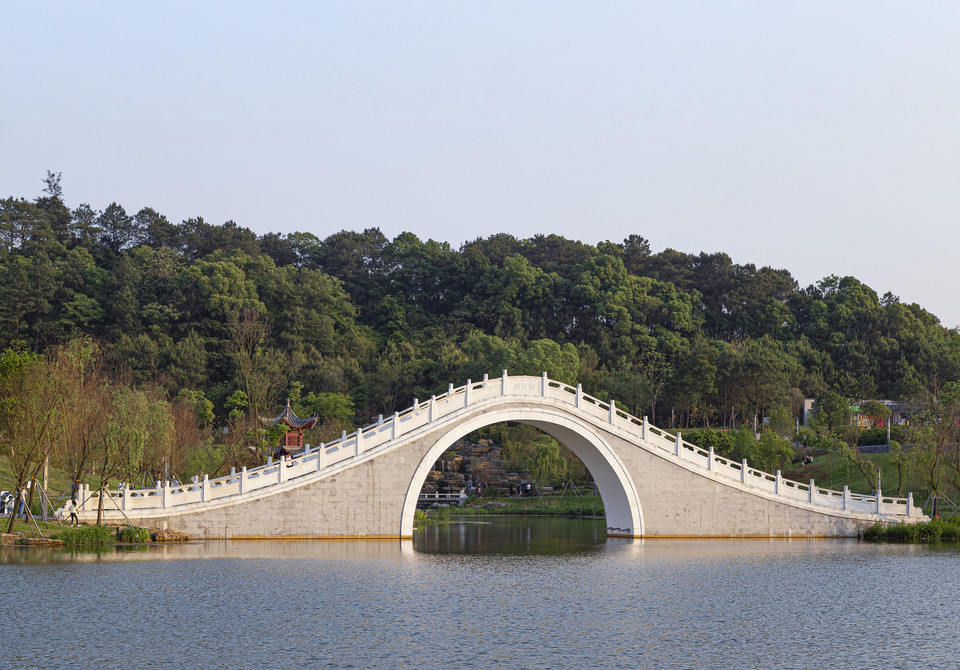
723	443
932	531
86	535
133	535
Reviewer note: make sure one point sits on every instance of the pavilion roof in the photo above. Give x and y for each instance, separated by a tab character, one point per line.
288	417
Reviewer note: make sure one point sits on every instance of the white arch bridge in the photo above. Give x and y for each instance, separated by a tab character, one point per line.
367	484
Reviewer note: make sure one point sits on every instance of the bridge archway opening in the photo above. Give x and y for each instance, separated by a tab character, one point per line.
622	510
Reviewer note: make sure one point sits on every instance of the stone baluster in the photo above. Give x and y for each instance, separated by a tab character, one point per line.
909	502
743	471
846	497
433	407
321	457
395	426
503	383
543	385
776	483
205	489
579	396
643	434
710	458
466	394
811	491
281	469
243	479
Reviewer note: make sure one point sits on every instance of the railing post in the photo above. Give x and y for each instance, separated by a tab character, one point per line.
678	445
776	483
613	410
846	496
543	385
710	459
396	421
643	435
321	457
879	492
379	420
433	406
449	390
579	396
909	502
743	471
810	491
243	479
503	383
466	394
205	489
416	405
166	494
306	450
356	444
343	438
281	469
486	378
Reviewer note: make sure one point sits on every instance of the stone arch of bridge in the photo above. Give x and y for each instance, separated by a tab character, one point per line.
621	503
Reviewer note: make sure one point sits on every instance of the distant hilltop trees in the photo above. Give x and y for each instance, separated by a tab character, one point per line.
357	324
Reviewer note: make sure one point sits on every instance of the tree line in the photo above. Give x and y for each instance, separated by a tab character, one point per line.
355	324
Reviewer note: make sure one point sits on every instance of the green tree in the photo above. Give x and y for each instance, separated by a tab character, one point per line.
31	412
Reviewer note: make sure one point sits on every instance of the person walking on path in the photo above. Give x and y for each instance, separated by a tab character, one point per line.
72	508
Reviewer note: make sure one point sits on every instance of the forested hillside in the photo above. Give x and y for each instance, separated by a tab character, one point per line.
354	324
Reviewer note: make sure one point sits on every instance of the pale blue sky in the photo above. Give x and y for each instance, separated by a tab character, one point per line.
821	137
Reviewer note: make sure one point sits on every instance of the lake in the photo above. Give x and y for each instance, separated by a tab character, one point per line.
509	592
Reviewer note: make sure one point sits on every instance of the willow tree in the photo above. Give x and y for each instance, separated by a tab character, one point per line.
31	400
137	418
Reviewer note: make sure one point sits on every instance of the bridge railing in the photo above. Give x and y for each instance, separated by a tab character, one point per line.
385	432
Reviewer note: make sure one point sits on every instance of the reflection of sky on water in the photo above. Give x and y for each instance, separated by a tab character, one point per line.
386	604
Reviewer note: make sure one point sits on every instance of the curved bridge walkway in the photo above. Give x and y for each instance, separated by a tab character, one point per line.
366	484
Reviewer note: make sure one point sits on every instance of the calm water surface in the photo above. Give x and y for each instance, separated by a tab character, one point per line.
515	593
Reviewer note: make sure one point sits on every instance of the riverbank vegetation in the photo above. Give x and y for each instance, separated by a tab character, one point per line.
930	531
136	348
